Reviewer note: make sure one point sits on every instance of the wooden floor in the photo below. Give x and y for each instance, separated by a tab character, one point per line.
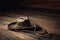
47	22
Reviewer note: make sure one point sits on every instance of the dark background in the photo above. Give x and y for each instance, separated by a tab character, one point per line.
29	4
